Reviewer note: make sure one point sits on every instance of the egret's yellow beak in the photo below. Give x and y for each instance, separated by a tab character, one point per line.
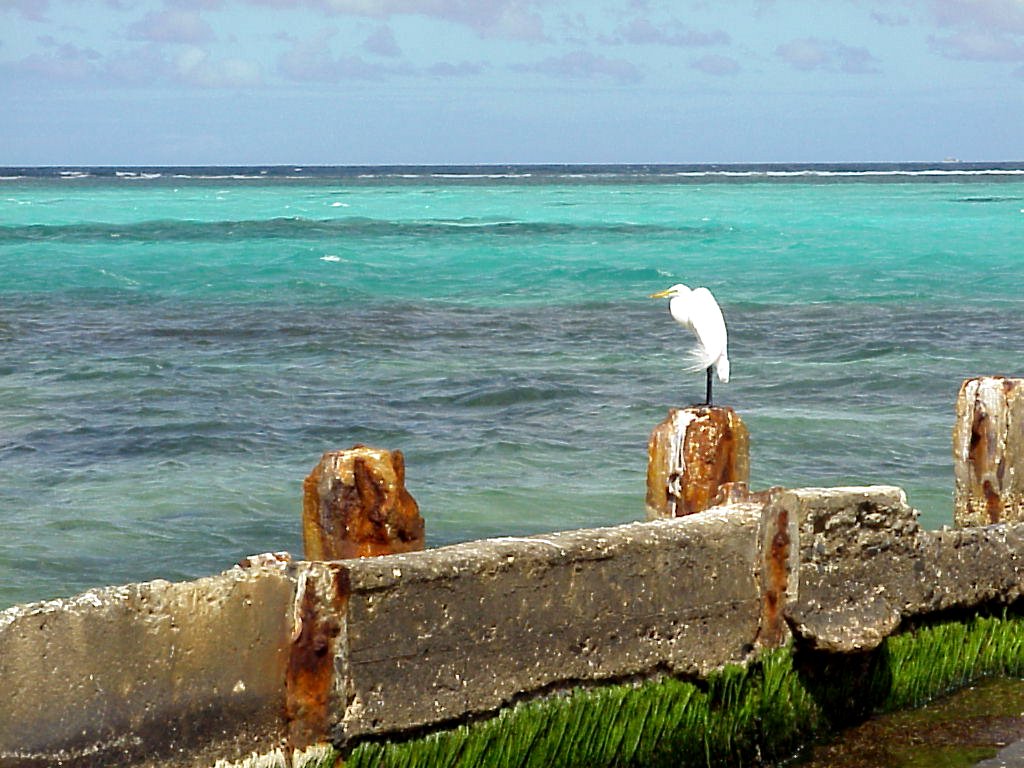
660	294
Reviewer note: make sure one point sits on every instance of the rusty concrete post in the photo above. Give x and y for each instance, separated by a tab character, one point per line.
988	452
779	568
355	505
690	455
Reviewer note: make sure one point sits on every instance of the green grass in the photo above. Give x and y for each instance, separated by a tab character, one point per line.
941	658
739	716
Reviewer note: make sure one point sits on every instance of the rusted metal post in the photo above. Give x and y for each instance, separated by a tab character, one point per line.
691	455
988	452
355	505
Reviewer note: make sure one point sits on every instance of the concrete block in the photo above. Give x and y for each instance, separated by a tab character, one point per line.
970	567
866	565
442	634
154	673
860	559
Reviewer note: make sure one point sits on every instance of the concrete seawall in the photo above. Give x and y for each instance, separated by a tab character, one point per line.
303	653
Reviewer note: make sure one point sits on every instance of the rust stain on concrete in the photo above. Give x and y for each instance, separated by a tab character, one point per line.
309	678
988	452
775	573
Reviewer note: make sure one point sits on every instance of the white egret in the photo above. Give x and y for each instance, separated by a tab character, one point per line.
698	311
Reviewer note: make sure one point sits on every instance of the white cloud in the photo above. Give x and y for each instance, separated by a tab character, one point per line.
582	64
997	16
642	31
890	19
512	19
61	61
975	45
33	10
812	53
195	66
172	26
980	30
311	60
447	69
204	5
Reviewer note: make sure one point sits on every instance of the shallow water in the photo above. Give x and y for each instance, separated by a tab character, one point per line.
177	353
957	731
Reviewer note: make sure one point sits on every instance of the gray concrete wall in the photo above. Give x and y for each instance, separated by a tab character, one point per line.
183	674
146	671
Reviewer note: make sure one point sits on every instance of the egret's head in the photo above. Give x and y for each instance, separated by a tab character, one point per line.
670	293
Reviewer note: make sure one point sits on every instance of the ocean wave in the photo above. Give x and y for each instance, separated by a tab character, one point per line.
524	174
312	229
871	173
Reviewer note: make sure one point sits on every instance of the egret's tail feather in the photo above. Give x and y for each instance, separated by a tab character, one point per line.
698	360
723	369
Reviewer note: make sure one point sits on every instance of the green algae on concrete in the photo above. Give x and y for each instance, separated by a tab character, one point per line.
667	722
758	714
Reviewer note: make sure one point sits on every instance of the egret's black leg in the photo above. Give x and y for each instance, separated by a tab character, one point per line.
708	400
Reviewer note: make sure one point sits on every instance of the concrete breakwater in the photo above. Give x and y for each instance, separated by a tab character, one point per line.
292	654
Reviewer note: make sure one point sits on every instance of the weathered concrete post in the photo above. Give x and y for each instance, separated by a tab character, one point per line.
690	455
355	505
988	452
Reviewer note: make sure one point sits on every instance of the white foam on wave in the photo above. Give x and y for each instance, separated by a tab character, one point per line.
119	278
136	175
481	175
826	173
476	224
216	176
339	205
330	257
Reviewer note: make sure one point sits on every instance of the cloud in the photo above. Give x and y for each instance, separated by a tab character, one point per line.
142	66
811	53
194	66
643	32
204	5
311	60
716	65
979	30
978	46
511	19
382	42
997	16
171	26
62	61
889	19
582	64
446	69
33	10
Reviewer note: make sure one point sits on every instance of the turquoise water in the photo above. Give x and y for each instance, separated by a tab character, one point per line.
178	352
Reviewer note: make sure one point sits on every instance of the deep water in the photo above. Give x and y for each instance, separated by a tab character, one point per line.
177	351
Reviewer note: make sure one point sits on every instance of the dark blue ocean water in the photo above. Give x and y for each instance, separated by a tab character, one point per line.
179	345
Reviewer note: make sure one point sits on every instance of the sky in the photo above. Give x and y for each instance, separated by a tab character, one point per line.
375	82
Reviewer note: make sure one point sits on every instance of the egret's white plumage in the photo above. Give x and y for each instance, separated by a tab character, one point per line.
698	311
